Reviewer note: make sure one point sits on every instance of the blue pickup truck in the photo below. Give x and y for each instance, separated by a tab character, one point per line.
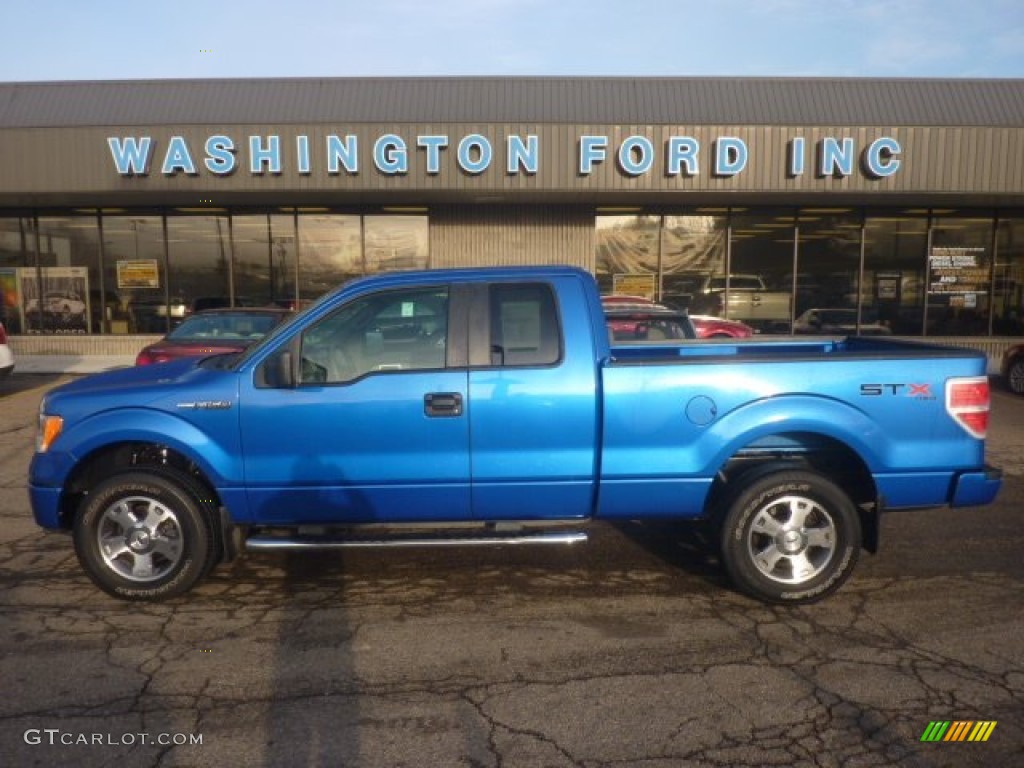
488	407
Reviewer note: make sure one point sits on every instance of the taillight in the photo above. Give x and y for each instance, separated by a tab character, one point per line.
968	402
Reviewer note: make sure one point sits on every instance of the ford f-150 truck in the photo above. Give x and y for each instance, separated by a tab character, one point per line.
486	406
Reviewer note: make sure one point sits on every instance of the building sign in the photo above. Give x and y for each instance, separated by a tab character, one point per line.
138	273
476	154
635	285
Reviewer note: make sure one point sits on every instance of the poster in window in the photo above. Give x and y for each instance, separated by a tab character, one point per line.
645	285
54	299
10	300
958	269
138	273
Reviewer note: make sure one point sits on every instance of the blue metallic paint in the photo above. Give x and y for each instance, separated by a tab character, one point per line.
530	442
358	452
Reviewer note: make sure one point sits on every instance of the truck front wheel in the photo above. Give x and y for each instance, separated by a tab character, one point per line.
790	537
144	536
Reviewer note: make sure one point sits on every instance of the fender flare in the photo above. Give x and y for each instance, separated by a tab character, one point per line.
789	414
221	464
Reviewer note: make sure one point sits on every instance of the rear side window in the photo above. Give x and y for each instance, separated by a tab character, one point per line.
524	326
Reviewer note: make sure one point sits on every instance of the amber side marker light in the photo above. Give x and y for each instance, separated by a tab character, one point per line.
50	428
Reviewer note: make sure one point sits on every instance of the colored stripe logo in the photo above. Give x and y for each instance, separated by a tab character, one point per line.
958	730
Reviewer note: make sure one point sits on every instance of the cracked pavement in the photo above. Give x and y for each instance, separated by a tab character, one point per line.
628	651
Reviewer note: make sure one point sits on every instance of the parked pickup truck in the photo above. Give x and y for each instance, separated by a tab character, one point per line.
746	298
486	407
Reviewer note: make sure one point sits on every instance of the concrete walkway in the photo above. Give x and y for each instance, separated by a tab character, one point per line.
77	364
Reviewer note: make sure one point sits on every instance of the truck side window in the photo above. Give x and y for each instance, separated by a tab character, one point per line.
524	325
404	330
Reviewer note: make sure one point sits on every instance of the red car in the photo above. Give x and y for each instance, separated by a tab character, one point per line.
705	326
214	332
628	324
709	327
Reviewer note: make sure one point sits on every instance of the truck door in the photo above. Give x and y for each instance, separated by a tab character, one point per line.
533	402
376	427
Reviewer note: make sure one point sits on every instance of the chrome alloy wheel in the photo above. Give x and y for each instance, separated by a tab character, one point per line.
792	539
139	539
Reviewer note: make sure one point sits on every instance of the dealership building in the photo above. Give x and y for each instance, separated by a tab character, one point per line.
126	205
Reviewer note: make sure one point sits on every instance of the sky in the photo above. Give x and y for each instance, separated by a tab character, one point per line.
140	40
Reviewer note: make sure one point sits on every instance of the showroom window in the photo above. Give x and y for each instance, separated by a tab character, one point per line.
628	255
762	262
14	255
331	247
135	274
264	259
692	247
828	258
894	269
199	256
1008	287
959	276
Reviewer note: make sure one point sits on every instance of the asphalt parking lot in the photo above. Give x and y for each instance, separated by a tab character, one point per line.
630	650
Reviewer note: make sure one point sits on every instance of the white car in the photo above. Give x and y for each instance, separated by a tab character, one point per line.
67	304
6	356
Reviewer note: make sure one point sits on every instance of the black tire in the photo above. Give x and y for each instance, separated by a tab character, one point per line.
790	537
145	535
1015	377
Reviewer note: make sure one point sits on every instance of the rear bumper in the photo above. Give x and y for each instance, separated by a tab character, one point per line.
974	489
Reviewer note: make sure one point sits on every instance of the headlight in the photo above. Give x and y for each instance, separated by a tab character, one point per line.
49	430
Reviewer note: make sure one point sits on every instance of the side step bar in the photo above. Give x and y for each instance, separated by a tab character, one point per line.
261	543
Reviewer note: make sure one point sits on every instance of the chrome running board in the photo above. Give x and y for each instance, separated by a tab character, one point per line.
260	542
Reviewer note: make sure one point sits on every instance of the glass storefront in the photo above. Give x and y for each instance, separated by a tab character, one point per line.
894	270
628	255
959	276
913	272
332	252
117	273
907	272
1008	278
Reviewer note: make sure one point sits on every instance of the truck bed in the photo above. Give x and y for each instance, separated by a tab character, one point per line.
673	414
782	348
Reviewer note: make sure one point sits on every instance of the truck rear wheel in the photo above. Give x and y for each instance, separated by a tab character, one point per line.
143	535
790	537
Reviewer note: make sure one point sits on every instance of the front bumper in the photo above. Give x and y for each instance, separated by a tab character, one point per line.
45	506
46	477
975	489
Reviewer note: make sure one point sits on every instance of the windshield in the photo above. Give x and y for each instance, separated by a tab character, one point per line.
225	326
631	327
